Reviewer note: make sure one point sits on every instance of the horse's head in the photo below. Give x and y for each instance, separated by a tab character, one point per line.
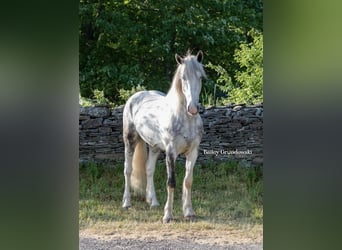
191	74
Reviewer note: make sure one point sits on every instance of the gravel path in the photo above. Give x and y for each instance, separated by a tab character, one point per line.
112	242
159	236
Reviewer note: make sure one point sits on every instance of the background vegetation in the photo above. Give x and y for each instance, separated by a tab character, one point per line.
130	45
225	193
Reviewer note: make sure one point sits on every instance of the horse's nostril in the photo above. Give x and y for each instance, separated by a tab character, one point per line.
192	109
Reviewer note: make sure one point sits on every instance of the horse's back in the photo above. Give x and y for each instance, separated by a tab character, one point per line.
143	95
142	112
137	100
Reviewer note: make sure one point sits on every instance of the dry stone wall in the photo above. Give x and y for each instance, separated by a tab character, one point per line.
233	132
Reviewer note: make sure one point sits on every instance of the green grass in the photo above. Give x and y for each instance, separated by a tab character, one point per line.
223	193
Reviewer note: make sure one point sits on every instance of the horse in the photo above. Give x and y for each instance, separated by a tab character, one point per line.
169	123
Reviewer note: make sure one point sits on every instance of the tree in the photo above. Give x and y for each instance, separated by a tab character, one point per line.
128	43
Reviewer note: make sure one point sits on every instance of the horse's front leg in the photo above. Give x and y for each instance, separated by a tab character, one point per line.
171	184
187	183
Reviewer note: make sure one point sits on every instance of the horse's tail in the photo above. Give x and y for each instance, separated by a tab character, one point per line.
138	177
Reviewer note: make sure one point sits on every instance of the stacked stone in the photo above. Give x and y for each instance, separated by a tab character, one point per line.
233	132
100	134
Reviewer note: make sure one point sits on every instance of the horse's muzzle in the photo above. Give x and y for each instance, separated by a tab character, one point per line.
193	109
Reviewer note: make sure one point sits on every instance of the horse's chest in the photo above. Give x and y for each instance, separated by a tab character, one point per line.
187	135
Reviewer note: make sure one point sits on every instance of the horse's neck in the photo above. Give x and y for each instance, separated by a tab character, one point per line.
175	98
177	104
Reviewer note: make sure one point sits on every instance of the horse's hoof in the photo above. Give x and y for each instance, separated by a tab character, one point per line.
155	204
126	208
166	220
126	204
190	217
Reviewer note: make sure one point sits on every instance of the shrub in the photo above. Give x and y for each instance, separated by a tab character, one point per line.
245	86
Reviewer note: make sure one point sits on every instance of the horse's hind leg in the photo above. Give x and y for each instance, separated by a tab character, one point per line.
129	141
187	183
126	202
127	172
151	197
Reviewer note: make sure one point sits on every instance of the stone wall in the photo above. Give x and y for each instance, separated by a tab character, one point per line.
233	132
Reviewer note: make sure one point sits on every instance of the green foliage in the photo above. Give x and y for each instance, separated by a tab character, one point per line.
224	81
84	102
98	98
250	77
124	44
207	98
245	85
125	94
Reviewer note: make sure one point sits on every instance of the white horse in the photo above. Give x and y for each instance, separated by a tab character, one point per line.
170	123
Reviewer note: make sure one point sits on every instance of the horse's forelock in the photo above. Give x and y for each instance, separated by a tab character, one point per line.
193	66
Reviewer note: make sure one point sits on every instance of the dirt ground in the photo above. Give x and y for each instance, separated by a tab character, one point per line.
233	238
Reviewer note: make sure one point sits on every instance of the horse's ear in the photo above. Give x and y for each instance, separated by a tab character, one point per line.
179	59
199	56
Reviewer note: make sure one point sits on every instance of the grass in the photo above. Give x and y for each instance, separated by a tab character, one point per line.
223	194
